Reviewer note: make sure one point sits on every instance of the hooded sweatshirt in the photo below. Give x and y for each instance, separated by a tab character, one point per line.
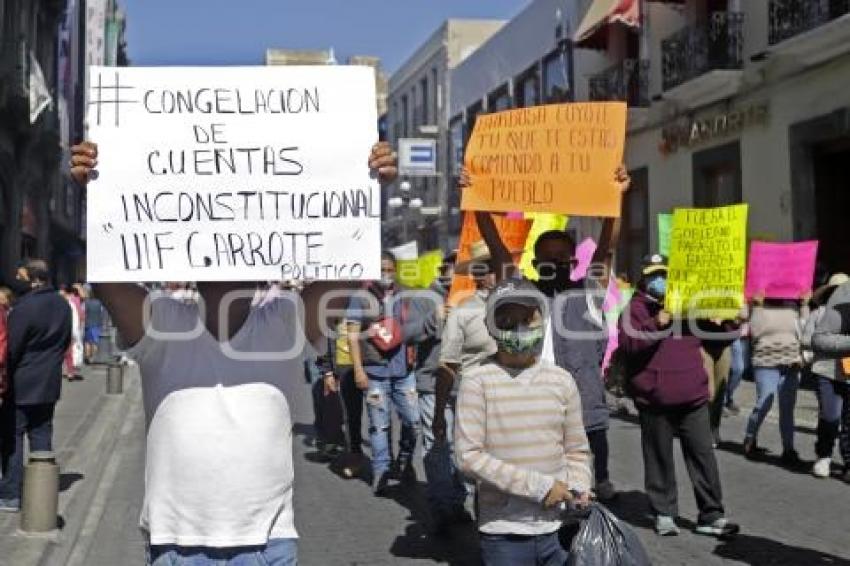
831	338
663	369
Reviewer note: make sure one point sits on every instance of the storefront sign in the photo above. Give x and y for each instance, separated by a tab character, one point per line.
689	133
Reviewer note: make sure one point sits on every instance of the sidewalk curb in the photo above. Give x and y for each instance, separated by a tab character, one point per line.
91	452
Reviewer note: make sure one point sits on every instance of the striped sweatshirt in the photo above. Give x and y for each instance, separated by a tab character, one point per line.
517	431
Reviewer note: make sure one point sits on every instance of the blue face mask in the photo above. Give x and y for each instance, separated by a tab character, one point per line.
657	287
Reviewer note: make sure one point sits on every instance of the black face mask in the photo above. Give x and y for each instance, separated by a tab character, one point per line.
555	277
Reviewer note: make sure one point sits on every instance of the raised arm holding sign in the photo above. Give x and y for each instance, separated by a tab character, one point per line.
125	300
707	262
229	174
554	158
781	270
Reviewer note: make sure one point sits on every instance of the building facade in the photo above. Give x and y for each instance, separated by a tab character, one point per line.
418	107
91	32
729	102
328	57
750	104
29	128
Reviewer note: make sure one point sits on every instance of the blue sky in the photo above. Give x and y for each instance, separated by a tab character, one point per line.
237	32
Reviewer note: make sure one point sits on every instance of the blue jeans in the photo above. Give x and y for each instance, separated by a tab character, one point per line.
740	359
516	550
781	382
278	552
36	421
446	490
384	393
833	419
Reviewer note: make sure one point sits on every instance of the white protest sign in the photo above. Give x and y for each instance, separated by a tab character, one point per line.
233	174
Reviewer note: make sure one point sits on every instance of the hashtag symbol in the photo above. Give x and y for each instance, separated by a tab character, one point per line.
113	97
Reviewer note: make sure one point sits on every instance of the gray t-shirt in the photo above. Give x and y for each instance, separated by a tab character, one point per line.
466	340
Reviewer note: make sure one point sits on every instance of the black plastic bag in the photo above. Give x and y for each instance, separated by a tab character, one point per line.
603	540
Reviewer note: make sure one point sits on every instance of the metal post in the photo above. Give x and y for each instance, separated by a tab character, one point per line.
115	379
41	493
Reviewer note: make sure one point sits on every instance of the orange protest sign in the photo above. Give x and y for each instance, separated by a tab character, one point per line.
513	232
845	365
557	158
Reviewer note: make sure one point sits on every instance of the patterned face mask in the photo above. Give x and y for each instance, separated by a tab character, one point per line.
524	339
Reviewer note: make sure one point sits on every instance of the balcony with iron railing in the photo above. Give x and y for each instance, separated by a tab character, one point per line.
627	81
693	51
789	18
809	32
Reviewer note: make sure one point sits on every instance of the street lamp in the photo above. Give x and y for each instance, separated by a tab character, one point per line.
405	203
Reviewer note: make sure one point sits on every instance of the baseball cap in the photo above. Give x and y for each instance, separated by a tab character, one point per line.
654	263
515	291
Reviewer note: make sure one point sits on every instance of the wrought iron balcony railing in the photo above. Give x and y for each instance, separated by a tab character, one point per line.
700	48
788	18
627	81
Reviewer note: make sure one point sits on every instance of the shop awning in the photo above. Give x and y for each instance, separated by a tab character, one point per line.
592	33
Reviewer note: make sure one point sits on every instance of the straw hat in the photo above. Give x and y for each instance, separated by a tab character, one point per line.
478	253
836	280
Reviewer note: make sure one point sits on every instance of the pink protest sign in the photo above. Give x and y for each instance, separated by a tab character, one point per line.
584	255
781	270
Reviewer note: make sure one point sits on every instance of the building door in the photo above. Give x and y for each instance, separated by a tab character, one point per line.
832	200
717	176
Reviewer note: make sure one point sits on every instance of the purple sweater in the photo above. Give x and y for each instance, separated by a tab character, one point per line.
663	370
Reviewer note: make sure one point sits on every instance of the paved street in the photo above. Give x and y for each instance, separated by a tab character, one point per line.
787	518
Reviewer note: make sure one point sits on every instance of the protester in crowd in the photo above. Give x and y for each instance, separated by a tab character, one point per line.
669	384
382	367
74	355
351	463
467	342
739	363
775	327
830	341
445	489
327	411
39	334
520	435
575	309
5	305
218	471
94	322
717	337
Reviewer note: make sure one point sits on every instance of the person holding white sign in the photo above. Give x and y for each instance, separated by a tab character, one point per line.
218	471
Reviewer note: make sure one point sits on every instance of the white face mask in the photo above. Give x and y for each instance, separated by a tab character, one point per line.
386	282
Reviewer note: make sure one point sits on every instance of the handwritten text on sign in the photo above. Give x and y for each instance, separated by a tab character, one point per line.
234	173
707	261
781	270
556	158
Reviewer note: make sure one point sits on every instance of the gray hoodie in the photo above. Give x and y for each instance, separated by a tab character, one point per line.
424	328
831	338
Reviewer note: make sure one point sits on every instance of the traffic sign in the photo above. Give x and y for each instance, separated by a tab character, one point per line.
417	156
